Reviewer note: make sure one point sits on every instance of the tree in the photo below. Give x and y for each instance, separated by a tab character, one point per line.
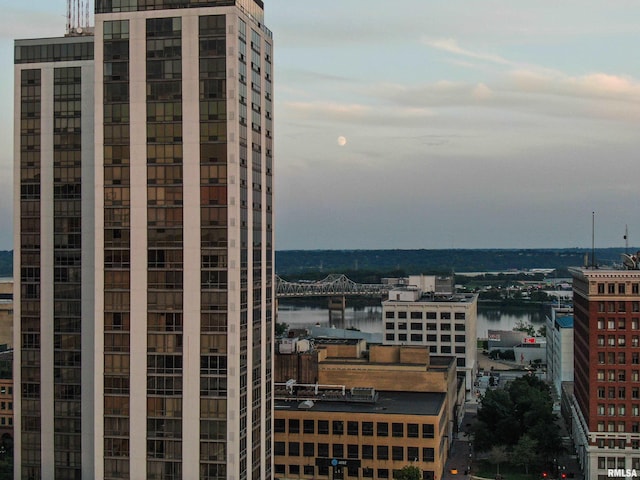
498	455
408	472
281	329
525	452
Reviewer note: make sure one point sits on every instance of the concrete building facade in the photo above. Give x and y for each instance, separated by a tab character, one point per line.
559	326
144	242
606	402
428	312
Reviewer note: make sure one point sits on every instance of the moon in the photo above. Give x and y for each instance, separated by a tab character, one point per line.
342	141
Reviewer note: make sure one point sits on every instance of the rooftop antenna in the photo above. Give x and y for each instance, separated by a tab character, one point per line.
626	239
77	16
593	239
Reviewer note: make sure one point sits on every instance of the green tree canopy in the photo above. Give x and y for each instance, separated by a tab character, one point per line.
409	472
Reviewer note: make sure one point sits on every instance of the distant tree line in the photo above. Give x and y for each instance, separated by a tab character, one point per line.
322	262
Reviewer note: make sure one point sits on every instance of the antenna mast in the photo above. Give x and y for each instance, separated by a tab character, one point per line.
626	239
77	16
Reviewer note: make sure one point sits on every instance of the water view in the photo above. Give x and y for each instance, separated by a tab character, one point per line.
369	319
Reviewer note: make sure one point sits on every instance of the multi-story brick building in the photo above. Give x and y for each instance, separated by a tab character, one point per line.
606	402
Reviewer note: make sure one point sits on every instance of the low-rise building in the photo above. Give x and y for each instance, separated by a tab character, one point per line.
371	410
6	400
6	311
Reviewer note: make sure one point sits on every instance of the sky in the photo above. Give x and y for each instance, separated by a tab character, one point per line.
434	124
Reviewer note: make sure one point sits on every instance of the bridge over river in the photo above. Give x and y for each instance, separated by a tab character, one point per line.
336	286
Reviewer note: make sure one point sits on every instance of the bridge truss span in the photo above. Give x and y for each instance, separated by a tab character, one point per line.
332	285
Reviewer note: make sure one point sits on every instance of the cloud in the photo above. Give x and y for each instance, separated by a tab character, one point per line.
357	113
451	46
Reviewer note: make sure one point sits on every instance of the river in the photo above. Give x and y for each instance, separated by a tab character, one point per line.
369	319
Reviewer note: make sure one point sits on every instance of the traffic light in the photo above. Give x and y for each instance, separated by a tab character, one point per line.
545	475
564	475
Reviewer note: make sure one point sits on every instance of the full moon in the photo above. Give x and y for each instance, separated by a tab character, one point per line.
342	141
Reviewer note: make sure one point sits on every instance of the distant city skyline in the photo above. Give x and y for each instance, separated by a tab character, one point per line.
433	125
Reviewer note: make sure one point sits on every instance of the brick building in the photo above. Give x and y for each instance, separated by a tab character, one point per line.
606	403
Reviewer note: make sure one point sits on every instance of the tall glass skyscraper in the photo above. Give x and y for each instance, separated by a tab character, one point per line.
144	245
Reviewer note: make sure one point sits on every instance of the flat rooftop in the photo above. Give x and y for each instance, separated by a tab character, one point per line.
389	403
437	298
565	322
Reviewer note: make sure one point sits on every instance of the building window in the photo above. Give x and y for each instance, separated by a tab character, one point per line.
397	453
601	340
294	426
323	427
402	326
416	316
412	430
294	449
309	449
611	287
390	337
460	349
428	430
382	452
279	425
402	315
308	426
279	448
352	428
445	349
383	473
428	455
309	470
432	338
601	288
461	362
431	315
367	429
352	451
445	338
367	452
445	327
390	325
621	289
389	314
416	337
416	326
445	315
397	429
323	450
460	338
367	472
383	429
402	337
338	427
338	450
